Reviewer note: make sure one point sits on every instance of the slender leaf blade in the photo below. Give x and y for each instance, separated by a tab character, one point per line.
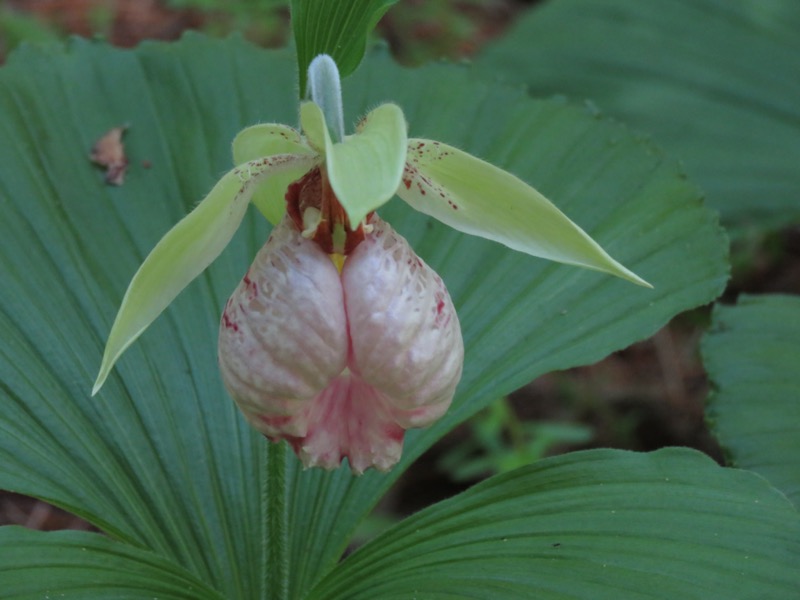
521	316
161	459
339	29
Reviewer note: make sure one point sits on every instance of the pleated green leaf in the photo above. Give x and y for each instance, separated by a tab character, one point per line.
716	81
89	566
752	355
339	29
161	459
594	525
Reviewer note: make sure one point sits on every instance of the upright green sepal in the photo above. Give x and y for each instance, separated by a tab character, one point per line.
477	198
366	168
186	250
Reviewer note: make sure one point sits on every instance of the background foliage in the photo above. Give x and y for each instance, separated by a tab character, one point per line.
712	79
751	354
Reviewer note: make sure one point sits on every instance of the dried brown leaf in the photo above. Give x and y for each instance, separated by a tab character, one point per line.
109	152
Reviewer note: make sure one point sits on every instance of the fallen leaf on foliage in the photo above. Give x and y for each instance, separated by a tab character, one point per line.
109	152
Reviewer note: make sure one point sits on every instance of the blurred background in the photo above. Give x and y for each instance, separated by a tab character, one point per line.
645	397
418	30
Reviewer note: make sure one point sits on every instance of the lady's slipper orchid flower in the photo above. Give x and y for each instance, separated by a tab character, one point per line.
339	337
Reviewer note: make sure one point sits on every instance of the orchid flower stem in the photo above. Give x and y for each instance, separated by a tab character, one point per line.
277	535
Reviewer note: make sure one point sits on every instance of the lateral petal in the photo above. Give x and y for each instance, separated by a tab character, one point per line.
186	250
477	198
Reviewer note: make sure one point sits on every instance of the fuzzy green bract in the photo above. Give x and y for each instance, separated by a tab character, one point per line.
365	170
476	197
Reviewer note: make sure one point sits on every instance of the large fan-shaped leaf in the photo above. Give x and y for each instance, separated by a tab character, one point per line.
589	525
716	81
160	458
88	566
752	354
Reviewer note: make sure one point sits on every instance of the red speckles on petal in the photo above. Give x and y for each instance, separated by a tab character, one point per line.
251	287
443	311
394	433
227	322
423	186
